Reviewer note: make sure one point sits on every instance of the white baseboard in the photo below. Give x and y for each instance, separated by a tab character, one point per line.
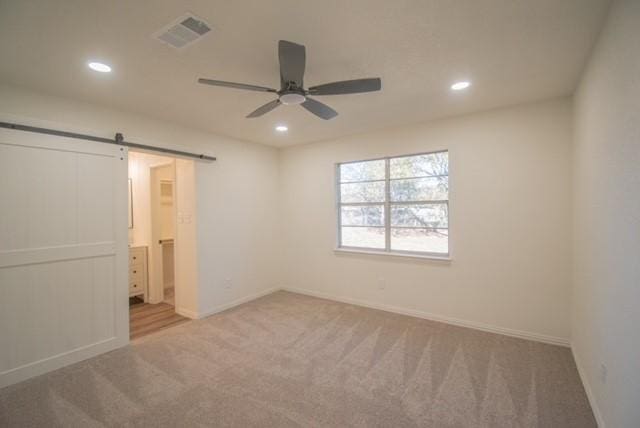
448	320
587	388
186	313
236	302
36	368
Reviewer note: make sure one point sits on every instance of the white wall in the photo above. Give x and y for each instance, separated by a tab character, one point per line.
237	215
510	222
238	218
606	294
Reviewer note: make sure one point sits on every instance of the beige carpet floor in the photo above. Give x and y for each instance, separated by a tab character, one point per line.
288	360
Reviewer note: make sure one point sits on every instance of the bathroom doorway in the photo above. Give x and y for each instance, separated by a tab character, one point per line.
161	242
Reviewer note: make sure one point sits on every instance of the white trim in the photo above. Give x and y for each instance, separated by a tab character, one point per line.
56	254
587	388
439	318
236	302
45	365
392	254
387	206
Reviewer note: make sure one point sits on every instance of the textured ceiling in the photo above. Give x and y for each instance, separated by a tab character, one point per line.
512	50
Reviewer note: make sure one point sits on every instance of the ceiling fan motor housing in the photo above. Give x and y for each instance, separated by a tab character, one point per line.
292	97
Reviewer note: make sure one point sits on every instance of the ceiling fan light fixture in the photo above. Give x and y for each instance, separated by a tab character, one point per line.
282	128
292	98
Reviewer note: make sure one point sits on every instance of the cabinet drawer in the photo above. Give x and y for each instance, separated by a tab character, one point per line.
136	257
136	274
135	287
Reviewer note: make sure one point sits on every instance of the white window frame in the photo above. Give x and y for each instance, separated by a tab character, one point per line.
387	251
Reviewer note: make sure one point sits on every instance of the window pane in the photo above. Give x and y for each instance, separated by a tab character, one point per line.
362	215
362	192
420	240
362	171
366	237
420	215
420	189
420	166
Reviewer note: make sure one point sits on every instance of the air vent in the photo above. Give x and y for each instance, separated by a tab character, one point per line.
183	31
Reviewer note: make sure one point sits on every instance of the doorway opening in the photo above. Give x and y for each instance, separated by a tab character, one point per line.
162	248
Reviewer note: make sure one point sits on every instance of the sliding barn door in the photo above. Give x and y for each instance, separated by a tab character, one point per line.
63	252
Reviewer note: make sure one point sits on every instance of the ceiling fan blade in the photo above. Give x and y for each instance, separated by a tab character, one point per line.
321	110
347	87
236	85
292	62
264	109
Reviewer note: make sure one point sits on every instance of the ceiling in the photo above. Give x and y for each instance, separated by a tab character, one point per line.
513	51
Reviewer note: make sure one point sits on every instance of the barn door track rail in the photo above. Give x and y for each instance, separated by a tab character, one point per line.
117	140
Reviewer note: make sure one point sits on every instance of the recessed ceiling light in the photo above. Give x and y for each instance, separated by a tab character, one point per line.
100	67
281	128
458	86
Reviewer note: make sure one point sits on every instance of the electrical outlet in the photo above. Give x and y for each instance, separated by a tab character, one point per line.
382	283
603	373
227	283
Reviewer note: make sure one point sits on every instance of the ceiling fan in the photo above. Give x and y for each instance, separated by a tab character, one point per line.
292	62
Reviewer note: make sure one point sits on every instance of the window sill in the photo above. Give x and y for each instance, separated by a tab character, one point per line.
445	259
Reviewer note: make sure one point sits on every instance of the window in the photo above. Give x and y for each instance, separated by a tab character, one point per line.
395	205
